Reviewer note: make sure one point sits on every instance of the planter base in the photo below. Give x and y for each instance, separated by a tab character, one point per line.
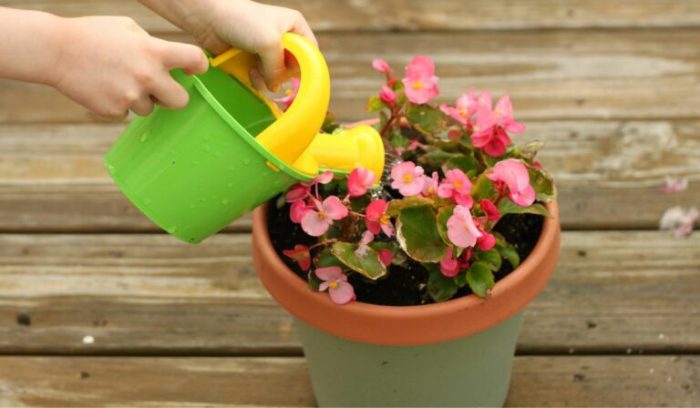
472	371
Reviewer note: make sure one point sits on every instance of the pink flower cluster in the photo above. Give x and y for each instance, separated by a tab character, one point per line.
488	125
464	230
420	83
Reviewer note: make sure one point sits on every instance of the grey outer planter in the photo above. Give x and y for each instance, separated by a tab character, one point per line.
472	371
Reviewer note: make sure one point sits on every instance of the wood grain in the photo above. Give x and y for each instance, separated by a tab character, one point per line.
52	178
551	74
614	292
537	381
342	15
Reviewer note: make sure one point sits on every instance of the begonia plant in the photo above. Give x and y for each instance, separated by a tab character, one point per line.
451	175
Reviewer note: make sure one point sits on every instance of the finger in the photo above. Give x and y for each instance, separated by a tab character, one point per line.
104	117
188	57
302	28
143	106
169	93
272	59
256	78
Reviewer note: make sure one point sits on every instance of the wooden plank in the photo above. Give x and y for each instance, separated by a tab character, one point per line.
52	178
536	381
614	292
552	74
433	15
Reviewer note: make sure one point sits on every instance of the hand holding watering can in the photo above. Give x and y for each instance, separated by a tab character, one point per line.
193	171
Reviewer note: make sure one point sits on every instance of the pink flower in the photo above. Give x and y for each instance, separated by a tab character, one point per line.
491	139
420	83
513	174
461	229
317	222
486	242
298	210
504	116
363	246
430	185
464	108
457	186
492	213
386	257
381	66
336	283
298	192
674	185
491	126
407	178
301	255
680	220
387	95
448	265
377	219
289	95
359	181
323	178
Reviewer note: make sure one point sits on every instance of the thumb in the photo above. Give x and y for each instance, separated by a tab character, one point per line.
188	57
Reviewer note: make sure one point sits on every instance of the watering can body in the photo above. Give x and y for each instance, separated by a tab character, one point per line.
195	170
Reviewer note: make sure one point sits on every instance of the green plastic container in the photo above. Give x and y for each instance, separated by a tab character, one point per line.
189	170
470	372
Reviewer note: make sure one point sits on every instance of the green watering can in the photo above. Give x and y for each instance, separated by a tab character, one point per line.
195	170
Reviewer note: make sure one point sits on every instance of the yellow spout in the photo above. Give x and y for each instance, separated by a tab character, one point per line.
341	152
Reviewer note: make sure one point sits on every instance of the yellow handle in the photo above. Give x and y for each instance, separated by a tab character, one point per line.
292	132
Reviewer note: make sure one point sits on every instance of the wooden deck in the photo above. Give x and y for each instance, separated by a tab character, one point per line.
98	308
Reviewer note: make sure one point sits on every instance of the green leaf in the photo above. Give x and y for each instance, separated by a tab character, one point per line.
314	281
466	163
368	265
395	206
417	233
491	258
425	118
461	279
440	287
508	252
543	184
326	259
444	213
435	158
508	207
480	279
483	188
374	104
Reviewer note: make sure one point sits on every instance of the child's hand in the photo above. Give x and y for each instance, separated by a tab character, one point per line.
257	28
110	65
220	24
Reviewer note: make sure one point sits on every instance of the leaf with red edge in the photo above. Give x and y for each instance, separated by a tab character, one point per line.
301	255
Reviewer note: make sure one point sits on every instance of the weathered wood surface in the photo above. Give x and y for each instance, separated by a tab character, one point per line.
551	74
52	178
614	292
326	15
537	381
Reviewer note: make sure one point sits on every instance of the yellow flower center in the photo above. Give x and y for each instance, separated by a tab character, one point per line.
407	178
417	85
431	190
457	185
464	113
288	92
384	219
333	284
321	214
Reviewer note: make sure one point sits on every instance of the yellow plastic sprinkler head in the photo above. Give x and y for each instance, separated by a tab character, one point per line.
360	146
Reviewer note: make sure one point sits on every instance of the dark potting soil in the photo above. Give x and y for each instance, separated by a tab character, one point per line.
404	286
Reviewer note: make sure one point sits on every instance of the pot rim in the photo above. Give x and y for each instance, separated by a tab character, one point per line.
407	325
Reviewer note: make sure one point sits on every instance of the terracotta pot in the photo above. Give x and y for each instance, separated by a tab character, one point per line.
461	350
